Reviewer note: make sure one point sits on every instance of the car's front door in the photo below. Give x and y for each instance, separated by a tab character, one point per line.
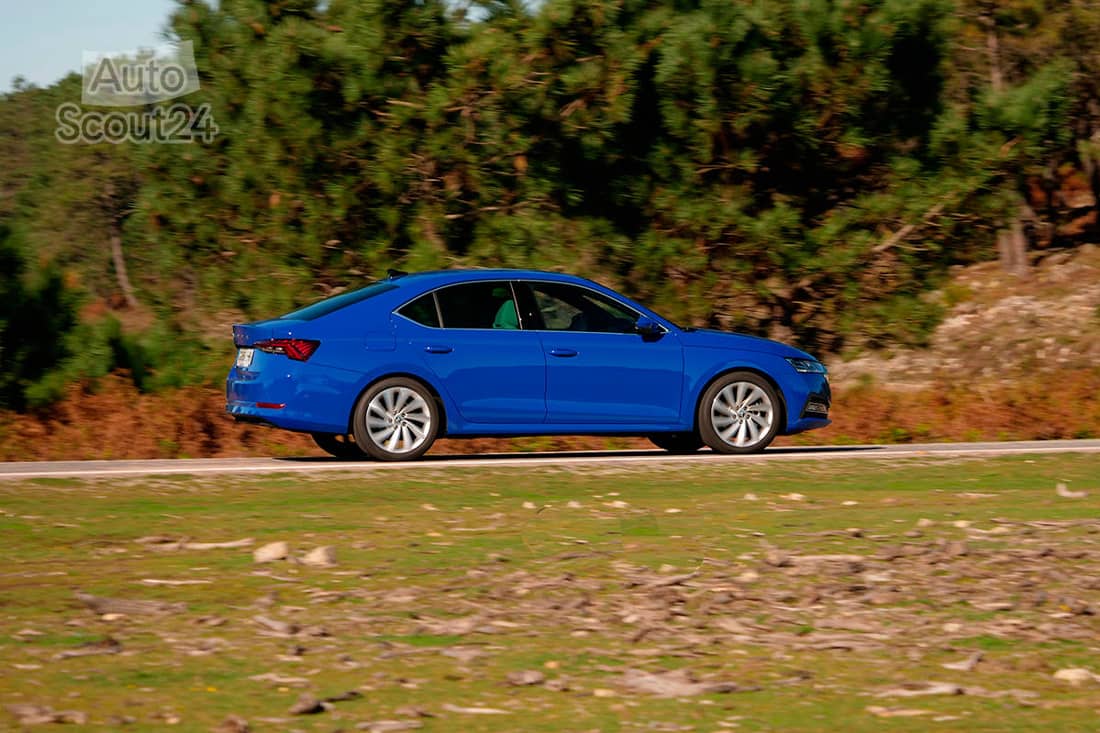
494	371
598	369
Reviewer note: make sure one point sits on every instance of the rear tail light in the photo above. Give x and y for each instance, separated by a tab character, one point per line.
296	349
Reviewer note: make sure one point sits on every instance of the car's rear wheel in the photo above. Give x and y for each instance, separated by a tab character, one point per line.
397	419
739	413
341	446
677	442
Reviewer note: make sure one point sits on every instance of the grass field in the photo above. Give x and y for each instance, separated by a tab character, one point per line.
809	596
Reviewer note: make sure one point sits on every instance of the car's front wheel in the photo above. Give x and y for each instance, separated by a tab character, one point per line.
739	413
397	419
680	443
341	446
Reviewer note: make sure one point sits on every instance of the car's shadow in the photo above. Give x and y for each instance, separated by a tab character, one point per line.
654	454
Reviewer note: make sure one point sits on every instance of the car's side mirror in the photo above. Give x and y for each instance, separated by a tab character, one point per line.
648	328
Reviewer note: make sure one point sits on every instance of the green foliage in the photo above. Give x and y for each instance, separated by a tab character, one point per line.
36	315
798	167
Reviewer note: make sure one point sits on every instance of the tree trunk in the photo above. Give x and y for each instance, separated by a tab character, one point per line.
993	46
120	267
1012	244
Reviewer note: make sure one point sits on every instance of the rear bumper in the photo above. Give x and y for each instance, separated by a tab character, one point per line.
284	418
311	399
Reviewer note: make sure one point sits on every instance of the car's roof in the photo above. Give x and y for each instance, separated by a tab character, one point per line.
442	277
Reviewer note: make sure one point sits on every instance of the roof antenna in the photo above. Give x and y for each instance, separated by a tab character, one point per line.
392	274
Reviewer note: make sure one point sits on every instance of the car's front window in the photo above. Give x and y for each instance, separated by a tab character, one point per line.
566	307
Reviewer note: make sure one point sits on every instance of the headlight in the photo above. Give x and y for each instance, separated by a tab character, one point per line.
807	366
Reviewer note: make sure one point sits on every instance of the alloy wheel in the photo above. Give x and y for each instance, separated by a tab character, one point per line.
742	414
398	420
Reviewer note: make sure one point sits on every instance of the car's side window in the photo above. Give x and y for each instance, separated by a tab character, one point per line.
566	307
422	311
478	305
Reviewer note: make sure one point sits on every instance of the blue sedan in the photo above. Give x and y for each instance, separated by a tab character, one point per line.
383	371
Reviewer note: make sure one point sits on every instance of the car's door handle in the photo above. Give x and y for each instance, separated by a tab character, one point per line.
563	352
438	349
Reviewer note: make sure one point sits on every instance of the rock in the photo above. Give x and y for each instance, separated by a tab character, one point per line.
676	683
956	548
104	646
472	710
993	605
320	557
1065	493
344	696
526	678
279	627
29	714
307	704
777	558
881	712
387	726
1076	676
234	724
271	552
921	689
463	654
412	711
450	627
281	680
104	606
965	665
230	545
671	580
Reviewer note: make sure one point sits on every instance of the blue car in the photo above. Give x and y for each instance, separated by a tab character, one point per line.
383	371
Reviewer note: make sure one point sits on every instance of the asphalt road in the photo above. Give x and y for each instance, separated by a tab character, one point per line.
196	466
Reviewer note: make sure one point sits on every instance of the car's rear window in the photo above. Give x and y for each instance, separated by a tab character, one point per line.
336	302
422	311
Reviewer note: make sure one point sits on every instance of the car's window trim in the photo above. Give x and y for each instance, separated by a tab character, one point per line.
515	300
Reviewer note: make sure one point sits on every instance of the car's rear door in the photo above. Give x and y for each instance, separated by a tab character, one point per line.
493	370
598	369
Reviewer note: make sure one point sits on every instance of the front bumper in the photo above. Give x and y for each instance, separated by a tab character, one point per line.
813	409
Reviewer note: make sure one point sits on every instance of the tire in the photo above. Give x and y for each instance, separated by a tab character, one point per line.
341	446
679	443
740	412
397	419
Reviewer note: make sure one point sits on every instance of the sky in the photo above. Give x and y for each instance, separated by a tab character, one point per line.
43	40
